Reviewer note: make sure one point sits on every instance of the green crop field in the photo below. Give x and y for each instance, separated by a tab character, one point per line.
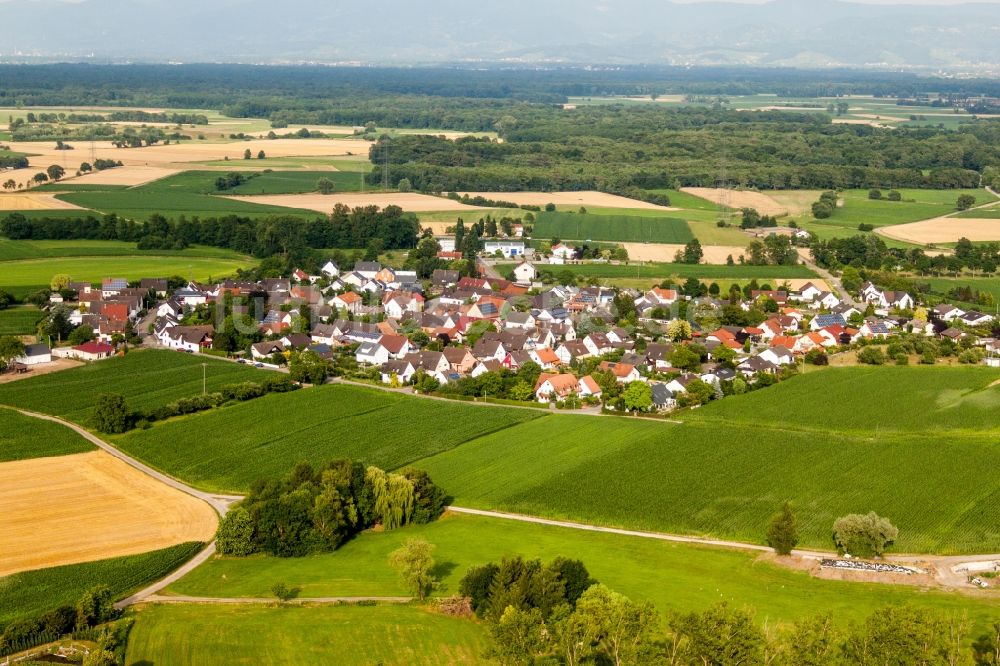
193	193
140	204
230	448
621	228
657	271
31	593
20	320
944	285
39	272
673	576
146	378
23	437
13	250
827	444
955	402
296	182
176	635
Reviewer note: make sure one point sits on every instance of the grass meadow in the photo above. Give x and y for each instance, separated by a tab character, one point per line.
14	250
859	209
992	213
176	635
37	273
23	437
146	378
673	576
228	449
620	228
32	593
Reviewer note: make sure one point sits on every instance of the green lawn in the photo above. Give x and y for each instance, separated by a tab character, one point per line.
655	271
19	320
31	272
917	446
176	635
673	576
620	228
146	378
23	437
230	448
31	593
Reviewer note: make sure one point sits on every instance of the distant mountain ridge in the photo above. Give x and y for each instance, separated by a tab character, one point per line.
803	33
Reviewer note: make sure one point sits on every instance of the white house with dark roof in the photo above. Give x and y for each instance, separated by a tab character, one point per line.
35	354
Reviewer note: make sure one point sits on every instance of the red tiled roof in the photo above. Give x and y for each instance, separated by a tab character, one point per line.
94	347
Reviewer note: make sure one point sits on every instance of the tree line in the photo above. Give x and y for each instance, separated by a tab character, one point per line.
556	613
261	237
318	509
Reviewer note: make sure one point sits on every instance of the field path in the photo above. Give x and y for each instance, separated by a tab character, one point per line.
833	282
218	502
943	565
164	599
921	231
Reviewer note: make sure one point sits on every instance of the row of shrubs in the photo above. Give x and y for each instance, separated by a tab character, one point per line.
95	607
112	414
236	392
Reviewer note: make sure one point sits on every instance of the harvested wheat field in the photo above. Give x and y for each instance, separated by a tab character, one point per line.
90	506
586	198
660	252
764	204
944	230
169	155
796	202
324	203
128	175
33	201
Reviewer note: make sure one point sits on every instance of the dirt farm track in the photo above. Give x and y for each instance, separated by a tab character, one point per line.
90	506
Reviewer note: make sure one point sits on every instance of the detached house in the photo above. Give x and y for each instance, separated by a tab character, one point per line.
348	301
555	387
624	372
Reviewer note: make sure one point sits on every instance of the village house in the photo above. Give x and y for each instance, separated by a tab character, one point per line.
460	359
35	354
89	351
556	387
624	373
507	248
402	370
525	273
263	351
186	338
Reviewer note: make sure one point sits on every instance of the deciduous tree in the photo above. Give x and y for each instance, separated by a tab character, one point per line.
414	562
783	533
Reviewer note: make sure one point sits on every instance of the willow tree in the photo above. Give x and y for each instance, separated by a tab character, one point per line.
393	497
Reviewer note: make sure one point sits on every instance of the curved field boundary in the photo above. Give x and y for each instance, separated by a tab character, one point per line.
220	503
943	564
